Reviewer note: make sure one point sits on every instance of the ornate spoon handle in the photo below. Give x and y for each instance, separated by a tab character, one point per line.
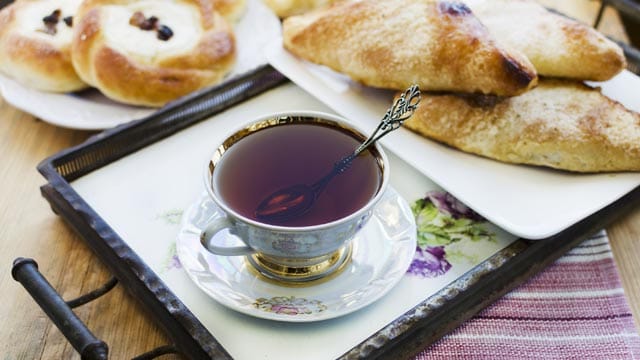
400	111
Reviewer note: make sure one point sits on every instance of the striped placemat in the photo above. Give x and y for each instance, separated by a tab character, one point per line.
574	309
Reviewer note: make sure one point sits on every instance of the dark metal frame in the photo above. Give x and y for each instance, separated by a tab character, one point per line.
627	7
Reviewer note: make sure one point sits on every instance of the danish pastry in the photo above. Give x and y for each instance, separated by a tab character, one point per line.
557	46
560	124
437	44
35	43
151	52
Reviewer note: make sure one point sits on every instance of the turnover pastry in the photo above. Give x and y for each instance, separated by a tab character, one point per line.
557	46
35	43
150	52
437	44
560	124
286	8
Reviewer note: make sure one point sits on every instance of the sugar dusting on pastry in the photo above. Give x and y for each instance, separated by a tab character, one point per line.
557	46
560	124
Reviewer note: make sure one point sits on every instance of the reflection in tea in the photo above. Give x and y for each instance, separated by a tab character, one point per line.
280	156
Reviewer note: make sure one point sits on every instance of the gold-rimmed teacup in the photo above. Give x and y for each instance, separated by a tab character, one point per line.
290	254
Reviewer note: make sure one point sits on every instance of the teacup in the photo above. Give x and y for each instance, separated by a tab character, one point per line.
250	164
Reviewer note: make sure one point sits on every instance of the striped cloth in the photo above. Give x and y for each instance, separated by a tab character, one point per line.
574	309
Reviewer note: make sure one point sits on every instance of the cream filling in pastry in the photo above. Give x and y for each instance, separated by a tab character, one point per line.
30	24
144	44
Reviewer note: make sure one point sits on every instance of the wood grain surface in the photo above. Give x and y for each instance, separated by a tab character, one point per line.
28	228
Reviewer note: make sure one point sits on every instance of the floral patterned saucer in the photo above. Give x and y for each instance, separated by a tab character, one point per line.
382	253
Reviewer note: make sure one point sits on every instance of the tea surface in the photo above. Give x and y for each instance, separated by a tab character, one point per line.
285	155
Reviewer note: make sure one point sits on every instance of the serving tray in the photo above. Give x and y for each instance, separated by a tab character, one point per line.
107	190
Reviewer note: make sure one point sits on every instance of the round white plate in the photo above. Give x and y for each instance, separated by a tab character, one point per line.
382	252
84	110
90	110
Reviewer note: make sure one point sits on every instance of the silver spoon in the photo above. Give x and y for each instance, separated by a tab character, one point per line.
296	200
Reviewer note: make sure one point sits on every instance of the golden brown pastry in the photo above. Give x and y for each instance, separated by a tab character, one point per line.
438	44
150	52
231	10
286	8
557	46
560	124
35	42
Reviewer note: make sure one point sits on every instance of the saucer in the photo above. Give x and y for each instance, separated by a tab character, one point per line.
381	254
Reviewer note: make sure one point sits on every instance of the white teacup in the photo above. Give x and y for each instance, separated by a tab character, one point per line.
290	253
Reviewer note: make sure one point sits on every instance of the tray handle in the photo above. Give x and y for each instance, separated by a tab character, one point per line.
26	272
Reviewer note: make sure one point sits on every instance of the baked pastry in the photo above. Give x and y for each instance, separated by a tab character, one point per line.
437	44
231	10
286	8
557	46
151	52
560	124
35	43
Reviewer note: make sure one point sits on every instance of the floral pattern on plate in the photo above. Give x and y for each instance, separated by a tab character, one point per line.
170	218
171	261
445	228
289	305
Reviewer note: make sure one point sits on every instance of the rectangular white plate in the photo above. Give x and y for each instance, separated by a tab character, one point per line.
530	202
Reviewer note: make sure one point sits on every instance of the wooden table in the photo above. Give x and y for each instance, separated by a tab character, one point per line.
28	228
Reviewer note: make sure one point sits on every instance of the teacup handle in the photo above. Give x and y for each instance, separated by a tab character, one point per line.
215	227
